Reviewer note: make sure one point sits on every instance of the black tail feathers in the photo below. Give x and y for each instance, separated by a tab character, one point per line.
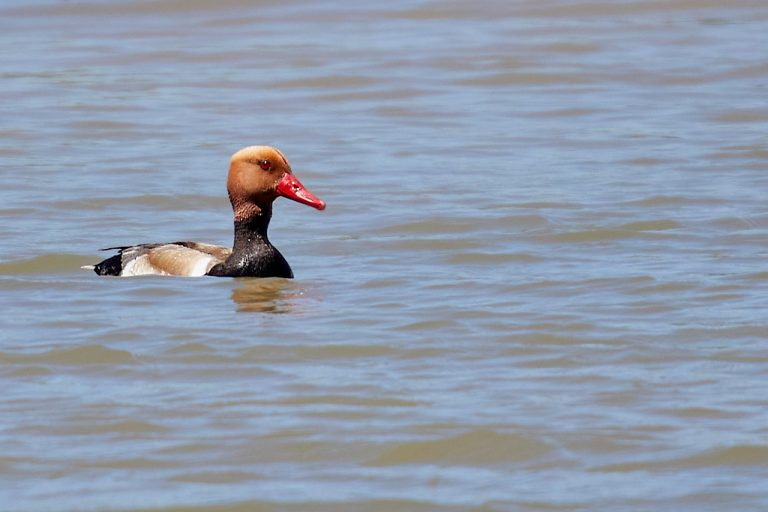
110	266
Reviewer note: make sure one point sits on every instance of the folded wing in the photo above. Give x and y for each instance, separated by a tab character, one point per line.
176	259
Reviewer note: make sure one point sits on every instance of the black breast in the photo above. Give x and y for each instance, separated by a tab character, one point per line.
264	262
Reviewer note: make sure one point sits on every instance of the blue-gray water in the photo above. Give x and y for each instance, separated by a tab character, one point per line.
540	284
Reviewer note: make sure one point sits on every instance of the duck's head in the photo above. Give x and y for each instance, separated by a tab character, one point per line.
260	174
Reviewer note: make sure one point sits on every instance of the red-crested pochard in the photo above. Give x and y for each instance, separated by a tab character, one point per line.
257	176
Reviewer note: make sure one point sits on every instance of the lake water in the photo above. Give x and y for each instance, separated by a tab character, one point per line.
540	284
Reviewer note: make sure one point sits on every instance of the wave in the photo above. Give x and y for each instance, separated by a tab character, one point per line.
53	263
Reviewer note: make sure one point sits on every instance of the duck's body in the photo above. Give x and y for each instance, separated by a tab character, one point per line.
257	176
176	258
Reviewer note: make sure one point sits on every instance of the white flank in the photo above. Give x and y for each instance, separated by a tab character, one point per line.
202	265
141	267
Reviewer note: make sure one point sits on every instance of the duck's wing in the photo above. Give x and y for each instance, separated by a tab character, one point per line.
176	259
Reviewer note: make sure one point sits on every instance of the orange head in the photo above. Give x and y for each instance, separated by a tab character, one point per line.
257	176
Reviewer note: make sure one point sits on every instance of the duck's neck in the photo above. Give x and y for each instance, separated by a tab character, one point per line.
251	232
252	253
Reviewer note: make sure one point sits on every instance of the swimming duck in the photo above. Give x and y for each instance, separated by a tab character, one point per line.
257	176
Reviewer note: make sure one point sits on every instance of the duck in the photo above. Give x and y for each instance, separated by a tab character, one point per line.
258	175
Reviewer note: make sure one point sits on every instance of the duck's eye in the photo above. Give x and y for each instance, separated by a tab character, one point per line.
264	164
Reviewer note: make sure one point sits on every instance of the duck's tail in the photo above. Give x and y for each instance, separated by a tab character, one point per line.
112	266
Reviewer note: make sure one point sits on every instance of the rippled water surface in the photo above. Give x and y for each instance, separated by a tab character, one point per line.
540	284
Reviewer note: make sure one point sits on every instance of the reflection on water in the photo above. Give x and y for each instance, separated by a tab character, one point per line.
273	295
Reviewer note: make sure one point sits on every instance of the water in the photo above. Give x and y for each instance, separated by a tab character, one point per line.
540	283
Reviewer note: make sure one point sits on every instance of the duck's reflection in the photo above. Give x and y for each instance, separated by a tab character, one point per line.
259	295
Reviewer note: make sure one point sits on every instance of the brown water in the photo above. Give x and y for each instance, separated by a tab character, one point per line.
540	284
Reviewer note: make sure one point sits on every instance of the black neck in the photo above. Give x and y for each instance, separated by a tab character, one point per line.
252	232
252	254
